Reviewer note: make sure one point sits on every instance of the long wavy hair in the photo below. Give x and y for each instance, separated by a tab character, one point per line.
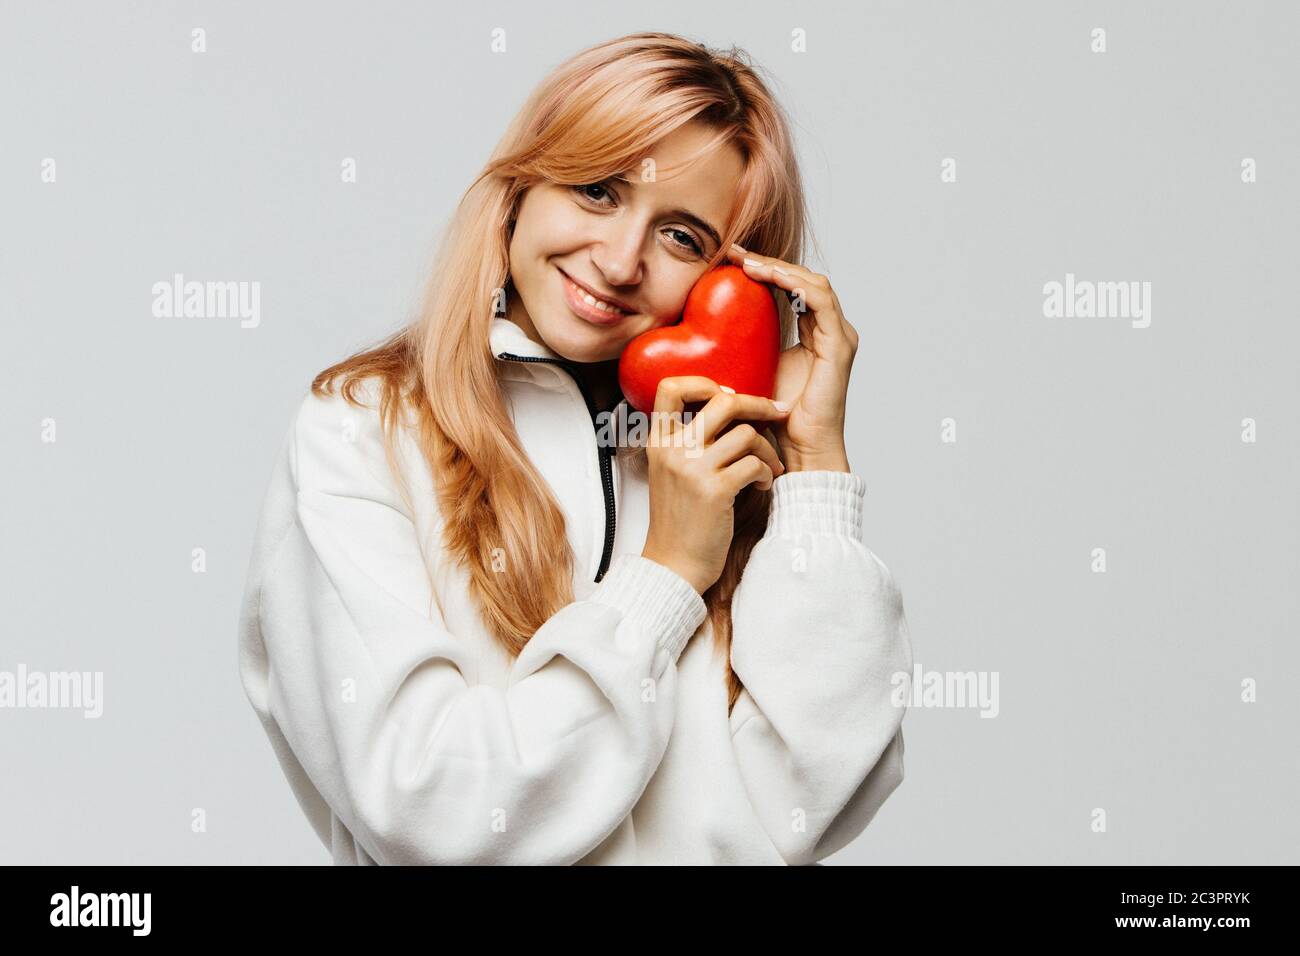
594	116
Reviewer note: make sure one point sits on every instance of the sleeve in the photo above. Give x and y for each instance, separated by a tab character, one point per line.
820	642
369	691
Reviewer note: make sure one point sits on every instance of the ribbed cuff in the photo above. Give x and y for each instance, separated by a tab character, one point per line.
817	501
659	599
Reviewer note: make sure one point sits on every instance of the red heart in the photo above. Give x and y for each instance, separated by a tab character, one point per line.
729	332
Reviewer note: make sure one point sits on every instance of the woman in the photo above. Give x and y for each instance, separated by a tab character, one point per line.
470	627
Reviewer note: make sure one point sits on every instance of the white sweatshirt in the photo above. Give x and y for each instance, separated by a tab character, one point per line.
409	737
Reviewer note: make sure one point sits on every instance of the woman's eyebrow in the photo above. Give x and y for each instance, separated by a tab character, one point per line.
679	213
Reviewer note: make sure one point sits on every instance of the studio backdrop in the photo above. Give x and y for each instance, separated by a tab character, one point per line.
1065	233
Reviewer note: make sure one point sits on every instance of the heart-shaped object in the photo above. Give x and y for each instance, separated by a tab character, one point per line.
729	332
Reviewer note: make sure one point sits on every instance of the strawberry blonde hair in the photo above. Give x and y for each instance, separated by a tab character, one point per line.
596	115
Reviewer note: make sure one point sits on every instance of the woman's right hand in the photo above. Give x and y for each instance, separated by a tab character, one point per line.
697	468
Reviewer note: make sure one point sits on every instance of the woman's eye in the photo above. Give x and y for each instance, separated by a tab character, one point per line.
583	191
690	242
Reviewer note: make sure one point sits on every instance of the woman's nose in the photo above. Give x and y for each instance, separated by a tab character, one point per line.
619	258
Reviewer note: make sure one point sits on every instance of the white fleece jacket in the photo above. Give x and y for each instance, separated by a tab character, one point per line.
410	737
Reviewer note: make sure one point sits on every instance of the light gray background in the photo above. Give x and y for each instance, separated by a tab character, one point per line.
1117	690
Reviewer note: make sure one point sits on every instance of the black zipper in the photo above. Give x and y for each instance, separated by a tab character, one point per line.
605	452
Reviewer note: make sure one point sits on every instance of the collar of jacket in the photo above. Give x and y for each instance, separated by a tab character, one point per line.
510	343
506	336
526	360
517	351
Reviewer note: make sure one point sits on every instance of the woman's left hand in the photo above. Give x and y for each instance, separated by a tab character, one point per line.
813	376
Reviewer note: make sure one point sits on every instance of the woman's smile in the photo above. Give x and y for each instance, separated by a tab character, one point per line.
588	307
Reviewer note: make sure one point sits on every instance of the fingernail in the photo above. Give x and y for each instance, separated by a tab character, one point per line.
753	262
729	391
781	406
739	248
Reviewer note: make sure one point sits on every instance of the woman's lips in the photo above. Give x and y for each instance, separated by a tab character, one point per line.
585	310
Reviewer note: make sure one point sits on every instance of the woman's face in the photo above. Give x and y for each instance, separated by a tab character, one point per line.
640	244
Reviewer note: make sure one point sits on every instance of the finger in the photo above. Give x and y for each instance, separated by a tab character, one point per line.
787	276
812	288
740	441
824	329
674	391
850	332
726	406
749	470
739	255
779	272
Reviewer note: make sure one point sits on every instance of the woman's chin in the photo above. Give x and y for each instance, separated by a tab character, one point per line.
579	341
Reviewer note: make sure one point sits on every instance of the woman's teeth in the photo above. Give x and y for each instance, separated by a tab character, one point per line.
601	304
